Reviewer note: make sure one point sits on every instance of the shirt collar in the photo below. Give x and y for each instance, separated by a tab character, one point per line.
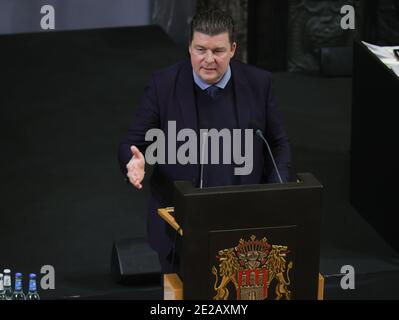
221	83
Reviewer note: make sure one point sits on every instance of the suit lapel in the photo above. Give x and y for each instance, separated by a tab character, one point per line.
244	102
185	94
244	105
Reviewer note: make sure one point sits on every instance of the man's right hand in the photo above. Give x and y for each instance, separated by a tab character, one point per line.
135	168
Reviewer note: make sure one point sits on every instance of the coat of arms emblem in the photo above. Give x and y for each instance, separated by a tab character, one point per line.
251	268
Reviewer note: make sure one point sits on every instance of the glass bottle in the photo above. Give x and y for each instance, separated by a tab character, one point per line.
7	284
18	293
32	294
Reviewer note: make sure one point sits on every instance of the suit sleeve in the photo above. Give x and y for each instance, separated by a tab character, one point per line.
277	139
145	118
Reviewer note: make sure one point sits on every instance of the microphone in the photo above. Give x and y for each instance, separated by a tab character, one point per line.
259	133
204	138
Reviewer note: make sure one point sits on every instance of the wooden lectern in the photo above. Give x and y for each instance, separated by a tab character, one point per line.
247	242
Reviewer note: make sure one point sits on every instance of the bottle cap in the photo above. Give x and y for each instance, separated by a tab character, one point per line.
18	274
32	275
7	271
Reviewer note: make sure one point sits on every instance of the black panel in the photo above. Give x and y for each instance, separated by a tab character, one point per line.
374	156
134	262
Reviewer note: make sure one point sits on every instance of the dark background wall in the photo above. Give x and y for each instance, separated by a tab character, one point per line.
291	34
24	15
174	16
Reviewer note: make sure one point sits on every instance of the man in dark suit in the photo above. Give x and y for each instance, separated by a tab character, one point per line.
208	91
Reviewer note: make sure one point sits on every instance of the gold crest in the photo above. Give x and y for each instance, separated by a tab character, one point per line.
250	269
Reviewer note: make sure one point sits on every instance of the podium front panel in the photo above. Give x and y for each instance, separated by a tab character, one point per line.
250	242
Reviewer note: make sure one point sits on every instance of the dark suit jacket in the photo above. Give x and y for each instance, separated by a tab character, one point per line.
170	96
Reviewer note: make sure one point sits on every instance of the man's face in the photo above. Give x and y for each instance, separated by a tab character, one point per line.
210	55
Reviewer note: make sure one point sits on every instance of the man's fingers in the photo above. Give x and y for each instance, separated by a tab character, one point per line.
136	152
136	180
135	168
136	184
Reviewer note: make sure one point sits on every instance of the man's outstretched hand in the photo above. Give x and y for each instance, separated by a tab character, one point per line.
135	168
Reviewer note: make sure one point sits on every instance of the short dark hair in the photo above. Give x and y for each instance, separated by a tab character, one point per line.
212	22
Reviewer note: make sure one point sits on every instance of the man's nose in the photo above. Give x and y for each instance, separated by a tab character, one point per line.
209	58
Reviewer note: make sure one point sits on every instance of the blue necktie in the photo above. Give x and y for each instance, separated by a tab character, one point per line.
213	91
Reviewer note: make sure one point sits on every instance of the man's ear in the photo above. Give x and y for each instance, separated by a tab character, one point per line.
233	49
